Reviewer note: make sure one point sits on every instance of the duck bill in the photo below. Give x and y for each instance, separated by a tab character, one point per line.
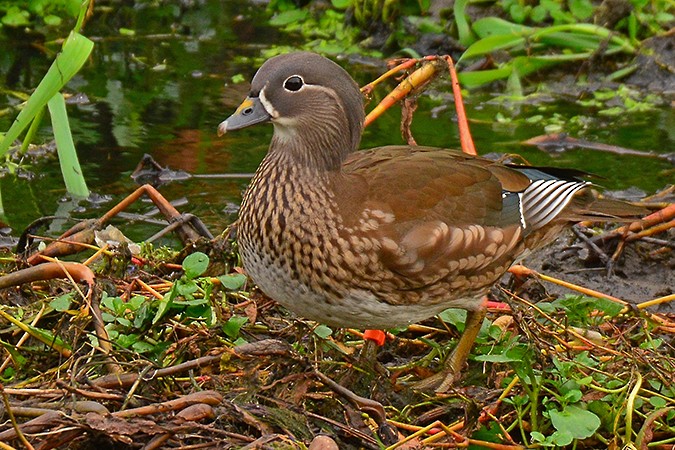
250	112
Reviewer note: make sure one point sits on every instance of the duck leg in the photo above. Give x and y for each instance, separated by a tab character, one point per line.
442	381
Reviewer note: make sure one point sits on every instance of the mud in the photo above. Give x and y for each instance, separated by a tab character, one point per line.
641	273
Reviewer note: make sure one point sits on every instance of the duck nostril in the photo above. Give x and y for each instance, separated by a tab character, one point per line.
247	111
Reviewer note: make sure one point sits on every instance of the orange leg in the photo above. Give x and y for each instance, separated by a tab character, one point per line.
442	381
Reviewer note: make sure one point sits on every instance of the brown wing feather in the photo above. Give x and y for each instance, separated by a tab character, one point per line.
440	220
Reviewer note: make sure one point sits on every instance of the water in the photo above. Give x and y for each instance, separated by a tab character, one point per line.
164	91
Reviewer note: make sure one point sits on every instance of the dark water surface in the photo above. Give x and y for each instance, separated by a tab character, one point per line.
164	91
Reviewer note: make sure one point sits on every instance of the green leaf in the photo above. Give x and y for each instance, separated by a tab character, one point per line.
62	303
143	347
473	79
560	438
15	17
107	302
537	437
17	358
195	264
203	313
581	9
52	20
573	396
107	317
519	12
48	338
651	344
575	41
186	288
514	87
615	40
492	44
323	331
526	65
578	422
462	22
65	147
142	316
490	26
341	4
579	307
608	307
289	17
455	317
658	402
136	302
233	325
192	302
165	304
538	14
515	354
74	54
115	304
233	281
426	24
126	340
500	358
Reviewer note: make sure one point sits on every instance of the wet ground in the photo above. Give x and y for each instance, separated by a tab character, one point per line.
642	272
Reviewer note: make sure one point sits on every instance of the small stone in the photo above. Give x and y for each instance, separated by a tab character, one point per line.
323	442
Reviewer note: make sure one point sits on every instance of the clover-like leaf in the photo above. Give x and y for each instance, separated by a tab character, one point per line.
576	421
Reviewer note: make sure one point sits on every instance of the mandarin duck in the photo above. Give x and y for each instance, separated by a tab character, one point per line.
390	236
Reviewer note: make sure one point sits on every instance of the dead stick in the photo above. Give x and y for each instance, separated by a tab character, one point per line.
48	271
37	425
124	380
212	398
15	425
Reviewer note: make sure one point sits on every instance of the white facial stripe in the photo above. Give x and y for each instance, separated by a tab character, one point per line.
276	116
267	105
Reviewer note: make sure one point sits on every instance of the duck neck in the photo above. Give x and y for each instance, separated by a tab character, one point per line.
320	142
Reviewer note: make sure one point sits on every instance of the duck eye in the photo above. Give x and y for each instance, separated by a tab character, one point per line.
293	83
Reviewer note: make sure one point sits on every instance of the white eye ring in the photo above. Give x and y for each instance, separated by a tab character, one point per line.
294	83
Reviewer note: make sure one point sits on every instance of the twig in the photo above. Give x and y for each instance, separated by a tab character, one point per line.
8	410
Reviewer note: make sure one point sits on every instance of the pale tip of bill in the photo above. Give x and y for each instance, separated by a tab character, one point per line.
222	128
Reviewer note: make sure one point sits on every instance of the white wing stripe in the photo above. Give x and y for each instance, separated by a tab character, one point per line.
544	199
545	216
541	189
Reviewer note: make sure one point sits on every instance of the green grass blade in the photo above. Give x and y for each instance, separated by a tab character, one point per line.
462	22
474	79
490	26
32	130
526	65
615	39
84	7
491	44
70	166
523	65
571	40
75	52
514	87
